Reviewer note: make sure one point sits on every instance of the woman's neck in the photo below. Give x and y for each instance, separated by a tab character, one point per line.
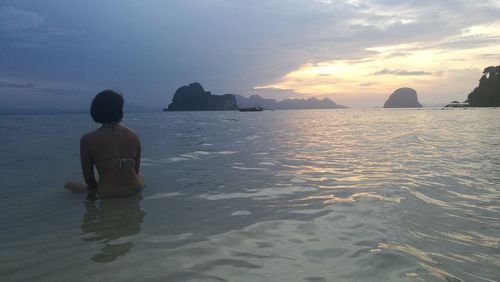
113	126
110	124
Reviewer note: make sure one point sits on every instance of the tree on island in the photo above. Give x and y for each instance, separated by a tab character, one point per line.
487	94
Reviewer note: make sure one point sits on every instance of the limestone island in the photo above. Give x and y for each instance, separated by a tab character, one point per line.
194	98
487	93
287	104
403	98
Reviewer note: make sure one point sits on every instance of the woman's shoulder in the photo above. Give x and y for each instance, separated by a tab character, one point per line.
89	136
130	135
129	130
98	134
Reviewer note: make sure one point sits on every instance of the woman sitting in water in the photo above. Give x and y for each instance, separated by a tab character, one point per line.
113	149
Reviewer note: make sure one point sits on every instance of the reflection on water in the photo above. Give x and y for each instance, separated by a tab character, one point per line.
330	199
355	195
109	221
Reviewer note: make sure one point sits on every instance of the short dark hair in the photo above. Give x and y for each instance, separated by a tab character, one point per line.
107	106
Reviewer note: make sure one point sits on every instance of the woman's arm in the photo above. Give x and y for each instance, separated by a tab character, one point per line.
138	157
87	165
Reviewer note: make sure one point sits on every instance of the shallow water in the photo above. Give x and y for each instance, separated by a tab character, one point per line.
326	195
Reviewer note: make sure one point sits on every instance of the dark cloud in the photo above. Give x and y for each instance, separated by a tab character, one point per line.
468	42
44	95
275	93
495	57
367	84
399	54
402	72
28	33
7	84
64	92
14	20
149	49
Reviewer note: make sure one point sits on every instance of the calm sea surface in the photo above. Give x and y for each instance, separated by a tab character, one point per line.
326	195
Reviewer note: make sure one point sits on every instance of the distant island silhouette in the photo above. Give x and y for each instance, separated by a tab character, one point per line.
403	98
287	104
487	93
193	97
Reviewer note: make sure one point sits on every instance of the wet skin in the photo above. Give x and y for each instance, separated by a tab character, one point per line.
115	151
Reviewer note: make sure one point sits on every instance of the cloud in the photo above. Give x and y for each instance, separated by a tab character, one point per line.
16	92
275	93
14	20
23	29
492	57
399	54
470	42
402	72
20	86
7	84
153	49
367	84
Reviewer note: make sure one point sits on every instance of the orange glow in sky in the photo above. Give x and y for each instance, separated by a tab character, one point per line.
437	70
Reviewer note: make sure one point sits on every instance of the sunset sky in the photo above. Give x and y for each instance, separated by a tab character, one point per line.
59	53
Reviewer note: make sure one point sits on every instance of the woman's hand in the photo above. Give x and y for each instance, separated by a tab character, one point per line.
76	187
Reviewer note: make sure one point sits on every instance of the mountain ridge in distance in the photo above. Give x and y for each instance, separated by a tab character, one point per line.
287	104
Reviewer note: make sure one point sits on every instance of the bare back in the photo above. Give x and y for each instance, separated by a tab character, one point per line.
115	151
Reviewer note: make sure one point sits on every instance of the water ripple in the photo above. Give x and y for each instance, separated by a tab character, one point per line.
355	195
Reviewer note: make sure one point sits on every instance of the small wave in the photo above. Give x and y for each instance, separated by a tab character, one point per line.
176	159
204	153
250	168
330	199
227	152
424	256
267	163
441	273
428	199
189	156
253	137
259	194
238	213
163	195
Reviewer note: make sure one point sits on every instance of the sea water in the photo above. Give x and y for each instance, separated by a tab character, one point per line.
313	195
